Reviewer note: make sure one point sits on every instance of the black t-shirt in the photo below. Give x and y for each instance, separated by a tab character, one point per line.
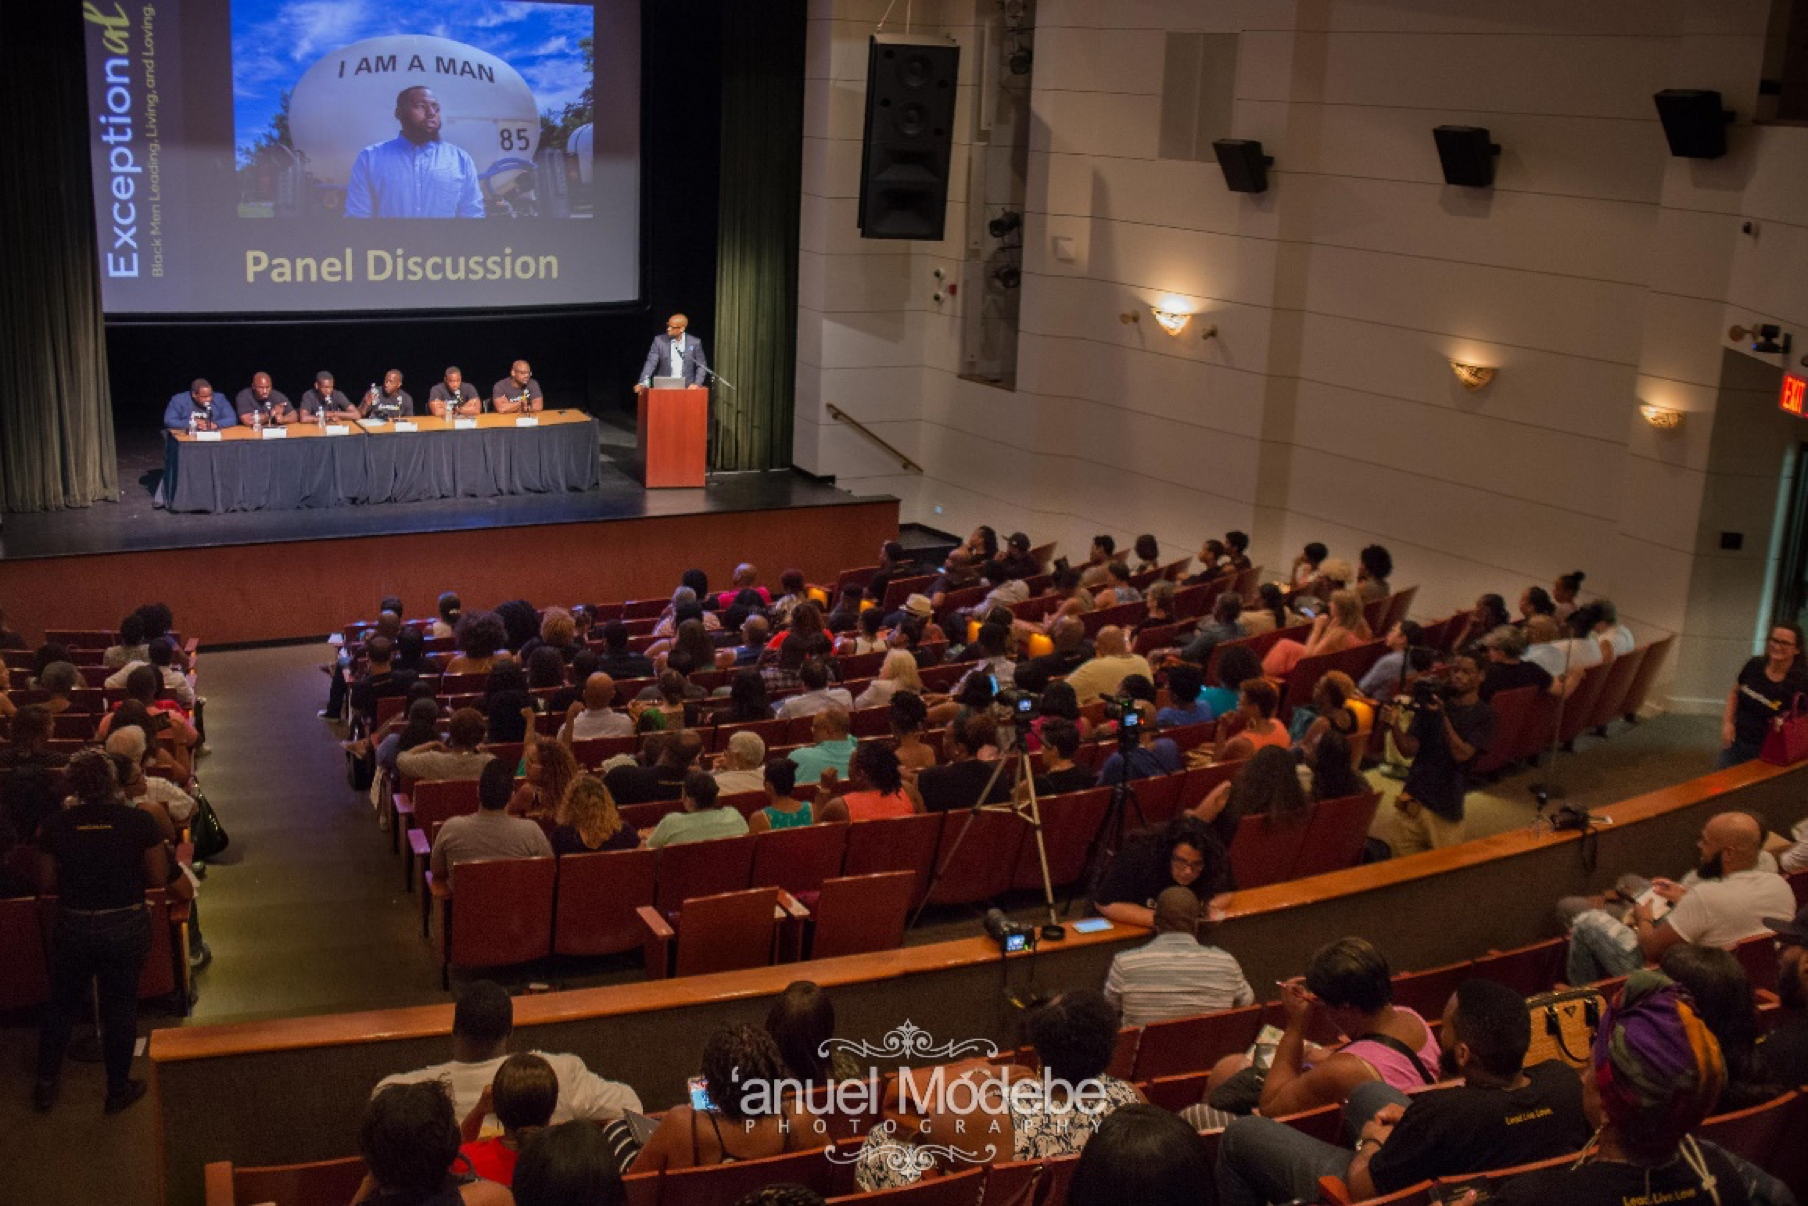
1784	1055
30	789
246	401
1140	873
1760	700
1448	1132
1436	779
368	690
1058	664
1606	1183
1505	676
641	784
466	393
99	851
399	405
565	840
956	786
1072	778
506	388
311	400
625	665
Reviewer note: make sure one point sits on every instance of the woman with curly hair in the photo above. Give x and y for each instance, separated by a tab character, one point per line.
550	771
480	638
589	821
1267	785
742	1068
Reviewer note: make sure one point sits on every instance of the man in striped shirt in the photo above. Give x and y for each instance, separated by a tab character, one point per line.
1175	975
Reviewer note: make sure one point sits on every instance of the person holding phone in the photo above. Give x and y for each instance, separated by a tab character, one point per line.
741	1068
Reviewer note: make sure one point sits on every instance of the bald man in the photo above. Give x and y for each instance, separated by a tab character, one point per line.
1722	902
518	393
596	716
261	394
1111	663
675	354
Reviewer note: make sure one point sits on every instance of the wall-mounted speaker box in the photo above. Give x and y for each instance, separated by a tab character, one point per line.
910	91
1694	122
1245	167
1466	154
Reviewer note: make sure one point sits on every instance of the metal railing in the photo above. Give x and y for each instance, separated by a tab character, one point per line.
835	412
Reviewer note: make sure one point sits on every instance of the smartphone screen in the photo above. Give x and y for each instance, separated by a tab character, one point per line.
699	1088
1091	925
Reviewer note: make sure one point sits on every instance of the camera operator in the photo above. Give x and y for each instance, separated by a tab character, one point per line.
1449	728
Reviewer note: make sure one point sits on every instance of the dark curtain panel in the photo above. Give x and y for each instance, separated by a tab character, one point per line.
56	424
756	275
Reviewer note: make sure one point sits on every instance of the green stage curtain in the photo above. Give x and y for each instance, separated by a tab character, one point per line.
56	420
756	275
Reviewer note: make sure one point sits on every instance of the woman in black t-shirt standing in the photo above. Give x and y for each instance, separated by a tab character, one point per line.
98	856
1767	687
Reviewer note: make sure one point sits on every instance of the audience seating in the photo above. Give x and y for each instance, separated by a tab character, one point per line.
501	915
722	932
322	1183
854	914
431	804
1336	834
956	1189
22	952
799	860
599	896
693	869
895	844
1264	850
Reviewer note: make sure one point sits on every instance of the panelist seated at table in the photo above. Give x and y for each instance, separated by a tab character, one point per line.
338	407
518	392
262	395
454	394
199	403
388	401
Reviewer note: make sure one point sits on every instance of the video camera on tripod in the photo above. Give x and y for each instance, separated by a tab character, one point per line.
1126	710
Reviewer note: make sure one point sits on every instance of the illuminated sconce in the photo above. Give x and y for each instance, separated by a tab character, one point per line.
1473	376
1660	417
1172	321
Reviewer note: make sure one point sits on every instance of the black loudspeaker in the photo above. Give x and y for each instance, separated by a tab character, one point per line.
1694	122
1466	154
910	90
1245	167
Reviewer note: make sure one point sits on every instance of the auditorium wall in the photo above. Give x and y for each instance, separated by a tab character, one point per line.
1598	273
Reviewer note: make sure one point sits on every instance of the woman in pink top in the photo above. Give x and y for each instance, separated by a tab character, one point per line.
876	788
1341	627
1257	702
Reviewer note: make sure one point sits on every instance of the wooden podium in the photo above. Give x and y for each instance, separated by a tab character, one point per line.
674	436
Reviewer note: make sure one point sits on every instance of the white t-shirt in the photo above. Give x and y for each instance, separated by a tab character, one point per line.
1577	653
1720	912
582	1093
1620	637
588	725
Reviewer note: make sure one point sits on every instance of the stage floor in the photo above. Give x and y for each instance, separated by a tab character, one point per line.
134	525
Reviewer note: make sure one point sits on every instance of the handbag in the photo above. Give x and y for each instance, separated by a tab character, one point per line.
1563	1025
1787	742
205	832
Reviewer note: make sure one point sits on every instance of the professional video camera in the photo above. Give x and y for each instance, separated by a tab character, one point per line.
1127	712
1011	936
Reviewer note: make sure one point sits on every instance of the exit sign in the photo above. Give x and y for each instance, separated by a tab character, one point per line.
1794	394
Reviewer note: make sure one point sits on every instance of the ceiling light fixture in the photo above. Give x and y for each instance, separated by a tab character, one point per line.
1472	376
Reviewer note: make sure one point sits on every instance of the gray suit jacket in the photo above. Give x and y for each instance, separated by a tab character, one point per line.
659	360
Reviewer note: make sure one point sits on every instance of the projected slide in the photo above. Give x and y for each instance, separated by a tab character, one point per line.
346	155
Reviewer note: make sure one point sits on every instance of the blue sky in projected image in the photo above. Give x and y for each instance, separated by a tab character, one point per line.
274	41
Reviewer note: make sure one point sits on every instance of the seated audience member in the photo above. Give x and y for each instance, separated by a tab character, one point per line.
740	1063
449	607
1056	702
685	605
1016	559
1236	550
482	1022
801	1023
1654	1074
617	660
1505	671
589	821
781	675
1618	637
845	613
959	571
61	680
747	699
455	758
558	631
488	833
1542	649
596	716
570	1164
781	810
961	782
409	1139
1723	901
415	728
741	767
45	656
897	673
1502	1115
1332	773
1183	853
1257	702
1721	992
876	789
1334	574
868	635
1387	677
481	636
834	745
1443	737
1142	1154
1563	594
1071	649
548	768
666	759
1341	626
1349	980
1766	685
817	695
1017	1116
1236	666
1152	755
1116	588
523	1095
894	562
1375	565
1110	664
909	717
1175	974
1270	611
1060	773
991	645
1536	601
132	646
793	590
1266	785
746	577
1223	625
1185	682
703	817
1338	708
1158	605
1305	565
756	633
31	777
380	679
154	793
1785	1050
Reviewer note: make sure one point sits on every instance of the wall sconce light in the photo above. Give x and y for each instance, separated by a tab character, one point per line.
1767	339
1129	316
1660	417
1473	376
1172	321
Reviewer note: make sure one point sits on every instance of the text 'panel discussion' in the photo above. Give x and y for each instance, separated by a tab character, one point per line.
996	603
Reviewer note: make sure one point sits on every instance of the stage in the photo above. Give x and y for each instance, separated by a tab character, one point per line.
278	575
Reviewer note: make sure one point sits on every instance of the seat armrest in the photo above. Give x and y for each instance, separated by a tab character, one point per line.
219	1184
790	906
417	842
656	943
657	926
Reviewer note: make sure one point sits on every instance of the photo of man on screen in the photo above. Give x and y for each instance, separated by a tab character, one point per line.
415	174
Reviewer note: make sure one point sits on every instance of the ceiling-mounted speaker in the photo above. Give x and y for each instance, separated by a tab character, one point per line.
1694	123
910	90
1466	154
1245	167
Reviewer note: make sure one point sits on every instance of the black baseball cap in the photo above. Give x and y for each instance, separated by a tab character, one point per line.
1793	930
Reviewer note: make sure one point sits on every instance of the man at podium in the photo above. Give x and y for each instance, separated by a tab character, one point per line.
674	354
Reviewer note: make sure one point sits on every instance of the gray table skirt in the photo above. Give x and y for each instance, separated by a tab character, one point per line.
295	474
